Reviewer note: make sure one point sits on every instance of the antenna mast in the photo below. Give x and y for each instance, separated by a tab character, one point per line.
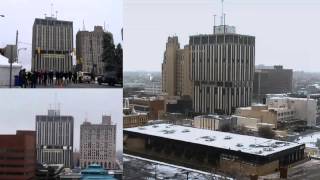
214	24
52	10
83	27
222	12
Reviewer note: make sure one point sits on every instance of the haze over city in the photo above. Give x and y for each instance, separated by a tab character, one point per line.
284	30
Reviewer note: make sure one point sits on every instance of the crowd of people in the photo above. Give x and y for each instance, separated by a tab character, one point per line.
31	79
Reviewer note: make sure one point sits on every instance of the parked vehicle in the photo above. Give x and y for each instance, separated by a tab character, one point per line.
109	77
85	77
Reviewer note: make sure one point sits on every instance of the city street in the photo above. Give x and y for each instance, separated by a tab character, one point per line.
80	85
72	85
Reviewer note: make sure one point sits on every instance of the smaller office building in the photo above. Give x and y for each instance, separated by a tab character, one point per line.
206	149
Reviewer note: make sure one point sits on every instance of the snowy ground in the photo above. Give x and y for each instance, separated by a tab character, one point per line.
136	167
310	139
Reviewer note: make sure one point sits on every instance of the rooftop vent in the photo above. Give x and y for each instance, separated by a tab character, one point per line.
258	152
239	145
169	131
268	149
209	138
185	130
155	126
228	137
141	128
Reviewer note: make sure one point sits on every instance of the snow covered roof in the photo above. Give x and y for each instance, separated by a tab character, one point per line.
229	141
5	61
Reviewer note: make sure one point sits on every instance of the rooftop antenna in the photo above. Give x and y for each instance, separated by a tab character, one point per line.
86	117
83	26
56	14
51	10
222	12
214	24
104	26
45	15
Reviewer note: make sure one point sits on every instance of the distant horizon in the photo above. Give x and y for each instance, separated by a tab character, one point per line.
161	71
277	26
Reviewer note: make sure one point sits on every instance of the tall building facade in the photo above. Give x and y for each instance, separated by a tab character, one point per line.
98	144
52	45
175	69
89	50
222	70
18	156
55	138
275	80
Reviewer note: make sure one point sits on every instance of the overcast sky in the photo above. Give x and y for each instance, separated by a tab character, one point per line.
287	31
18	108
20	15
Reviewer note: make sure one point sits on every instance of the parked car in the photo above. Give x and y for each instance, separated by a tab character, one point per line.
85	77
109	77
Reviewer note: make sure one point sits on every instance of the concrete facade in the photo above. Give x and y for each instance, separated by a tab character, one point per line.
98	144
52	45
213	122
89	50
271	81
222	71
260	112
176	69
305	108
55	138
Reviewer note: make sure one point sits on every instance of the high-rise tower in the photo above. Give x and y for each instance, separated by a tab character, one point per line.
52	45
54	138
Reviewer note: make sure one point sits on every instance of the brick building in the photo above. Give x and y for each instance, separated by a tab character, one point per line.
18	156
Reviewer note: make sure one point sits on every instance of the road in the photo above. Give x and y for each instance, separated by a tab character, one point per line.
306	171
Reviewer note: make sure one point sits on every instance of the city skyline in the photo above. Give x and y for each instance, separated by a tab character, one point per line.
20	107
110	15
280	25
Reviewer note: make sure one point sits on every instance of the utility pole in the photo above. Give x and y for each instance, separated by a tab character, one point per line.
13	57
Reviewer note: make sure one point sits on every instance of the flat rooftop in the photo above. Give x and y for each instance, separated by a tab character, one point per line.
228	141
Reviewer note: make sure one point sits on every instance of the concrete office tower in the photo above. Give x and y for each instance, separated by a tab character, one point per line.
52	45
176	69
55	138
222	70
18	156
273	80
98	144
89	50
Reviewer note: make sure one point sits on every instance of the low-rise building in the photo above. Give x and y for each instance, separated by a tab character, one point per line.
259	111
207	150
214	122
18	156
135	120
305	108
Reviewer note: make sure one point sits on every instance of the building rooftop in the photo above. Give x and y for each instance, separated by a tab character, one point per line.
229	141
95	171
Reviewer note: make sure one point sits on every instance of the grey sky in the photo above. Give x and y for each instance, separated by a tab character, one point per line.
20	14
287	31
19	107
